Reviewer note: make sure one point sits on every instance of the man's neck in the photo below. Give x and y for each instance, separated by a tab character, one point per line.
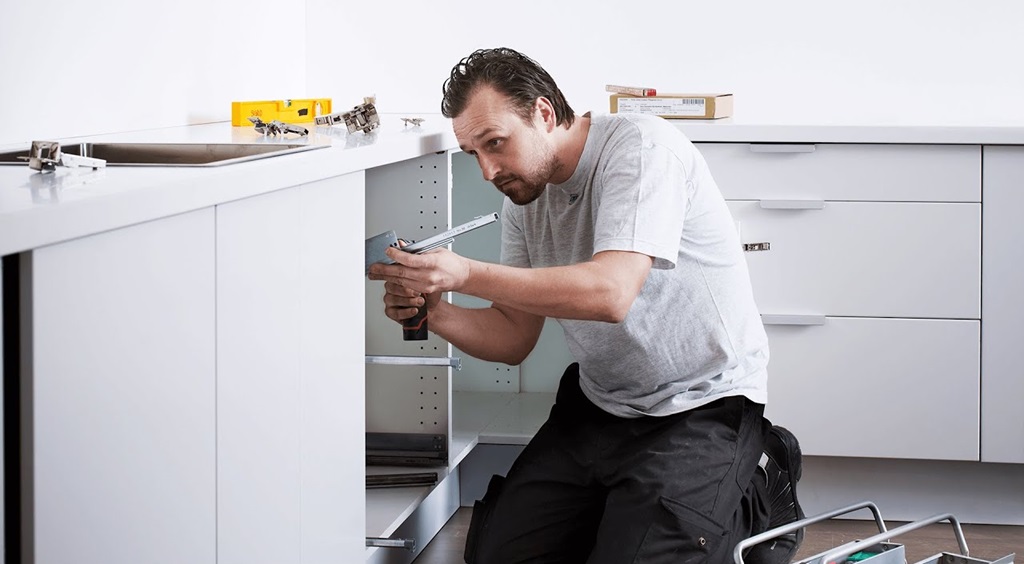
571	146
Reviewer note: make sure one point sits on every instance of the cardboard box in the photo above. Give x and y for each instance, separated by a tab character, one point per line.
675	106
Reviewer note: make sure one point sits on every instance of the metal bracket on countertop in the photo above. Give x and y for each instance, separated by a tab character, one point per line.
277	127
47	156
360	118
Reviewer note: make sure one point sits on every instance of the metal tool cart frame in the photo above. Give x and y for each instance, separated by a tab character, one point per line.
877	549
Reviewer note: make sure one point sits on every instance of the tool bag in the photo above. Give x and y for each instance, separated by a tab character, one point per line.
878	549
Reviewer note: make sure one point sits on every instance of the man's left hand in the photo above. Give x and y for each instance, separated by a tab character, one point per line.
437	271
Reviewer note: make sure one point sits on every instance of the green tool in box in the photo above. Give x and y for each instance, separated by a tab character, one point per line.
878	549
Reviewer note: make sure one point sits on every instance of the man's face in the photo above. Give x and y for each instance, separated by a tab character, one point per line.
514	156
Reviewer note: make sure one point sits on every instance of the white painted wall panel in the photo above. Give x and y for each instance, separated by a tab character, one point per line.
801	61
73	68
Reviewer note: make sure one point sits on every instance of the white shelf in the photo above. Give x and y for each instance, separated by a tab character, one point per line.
472	412
478	417
519	421
504	418
388	508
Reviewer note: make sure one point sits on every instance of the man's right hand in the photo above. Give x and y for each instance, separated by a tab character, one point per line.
401	303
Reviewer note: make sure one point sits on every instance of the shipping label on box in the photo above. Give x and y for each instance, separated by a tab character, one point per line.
675	106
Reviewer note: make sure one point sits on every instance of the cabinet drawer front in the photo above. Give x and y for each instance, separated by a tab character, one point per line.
888	388
897	173
865	259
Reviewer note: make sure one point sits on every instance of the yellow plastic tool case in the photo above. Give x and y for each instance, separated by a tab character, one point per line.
289	111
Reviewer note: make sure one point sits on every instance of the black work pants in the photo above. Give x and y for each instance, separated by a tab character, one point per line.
599	489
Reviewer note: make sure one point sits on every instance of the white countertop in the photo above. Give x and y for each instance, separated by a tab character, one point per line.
807	130
38	209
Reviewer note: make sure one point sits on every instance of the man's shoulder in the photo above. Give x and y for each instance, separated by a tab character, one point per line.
641	121
638	132
642	125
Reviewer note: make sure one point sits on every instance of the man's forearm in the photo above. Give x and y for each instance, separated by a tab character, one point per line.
600	290
484	333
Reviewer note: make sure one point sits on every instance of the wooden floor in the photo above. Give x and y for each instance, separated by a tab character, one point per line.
987	542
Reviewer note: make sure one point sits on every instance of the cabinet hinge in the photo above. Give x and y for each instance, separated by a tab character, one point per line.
757	246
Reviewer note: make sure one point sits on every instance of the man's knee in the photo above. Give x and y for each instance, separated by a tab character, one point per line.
482	510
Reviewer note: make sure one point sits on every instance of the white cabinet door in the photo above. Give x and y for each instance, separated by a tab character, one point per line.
258	439
123	395
882	388
332	355
838	172
870	291
3	529
290	380
1002	376
865	259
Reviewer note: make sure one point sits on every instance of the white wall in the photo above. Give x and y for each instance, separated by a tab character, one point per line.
70	68
900	60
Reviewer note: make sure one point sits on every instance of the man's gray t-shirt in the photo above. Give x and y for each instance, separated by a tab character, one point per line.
693	335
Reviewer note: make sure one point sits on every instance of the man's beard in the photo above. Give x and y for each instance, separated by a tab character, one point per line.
525	190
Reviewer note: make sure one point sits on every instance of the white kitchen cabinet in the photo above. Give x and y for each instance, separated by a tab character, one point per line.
290	474
837	172
122	387
411	198
3	529
870	291
409	402
892	321
1002	381
242	438
878	388
869	259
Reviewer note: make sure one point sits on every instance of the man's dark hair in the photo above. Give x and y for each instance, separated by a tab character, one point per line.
513	74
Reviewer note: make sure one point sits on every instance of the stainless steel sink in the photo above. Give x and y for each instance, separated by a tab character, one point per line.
169	154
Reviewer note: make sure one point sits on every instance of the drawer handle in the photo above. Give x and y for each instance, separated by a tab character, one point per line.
792	204
408	544
791	319
781	148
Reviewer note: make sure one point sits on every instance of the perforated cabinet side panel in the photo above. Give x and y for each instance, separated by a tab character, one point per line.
473	196
412	198
540	372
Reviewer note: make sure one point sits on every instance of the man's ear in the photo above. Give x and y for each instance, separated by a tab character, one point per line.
545	112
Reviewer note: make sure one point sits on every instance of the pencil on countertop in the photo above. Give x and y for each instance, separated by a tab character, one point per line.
631	90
